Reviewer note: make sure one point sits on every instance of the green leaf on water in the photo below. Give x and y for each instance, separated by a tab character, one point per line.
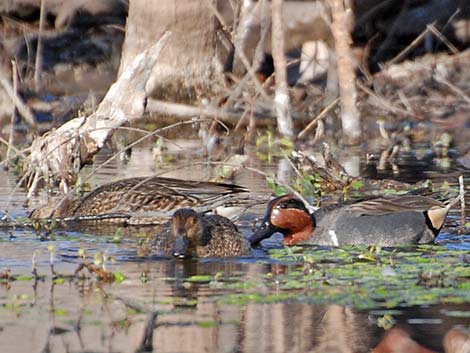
357	184
207	324
199	279
119	277
59	280
61	312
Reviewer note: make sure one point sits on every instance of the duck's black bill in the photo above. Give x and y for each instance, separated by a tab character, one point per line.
180	249
263	232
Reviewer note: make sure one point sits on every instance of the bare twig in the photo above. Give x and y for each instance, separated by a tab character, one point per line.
432	28
409	48
259	52
452	86
320	116
18	102
250	70
383	102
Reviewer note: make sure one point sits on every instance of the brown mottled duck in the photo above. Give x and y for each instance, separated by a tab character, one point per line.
192	234
144	200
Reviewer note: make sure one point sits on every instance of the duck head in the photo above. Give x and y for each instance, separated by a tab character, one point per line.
187	231
289	216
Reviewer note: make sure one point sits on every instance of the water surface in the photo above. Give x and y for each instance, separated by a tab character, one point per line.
231	305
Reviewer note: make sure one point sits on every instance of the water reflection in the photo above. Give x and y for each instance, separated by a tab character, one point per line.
183	316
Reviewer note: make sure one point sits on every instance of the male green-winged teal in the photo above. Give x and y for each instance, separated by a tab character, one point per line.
387	222
192	234
143	200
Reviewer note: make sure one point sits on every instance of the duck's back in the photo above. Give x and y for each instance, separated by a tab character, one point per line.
153	194
385	222
225	239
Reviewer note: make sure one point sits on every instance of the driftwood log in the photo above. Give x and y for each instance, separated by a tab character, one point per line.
58	156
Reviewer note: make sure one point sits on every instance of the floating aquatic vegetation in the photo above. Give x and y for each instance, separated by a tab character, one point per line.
364	277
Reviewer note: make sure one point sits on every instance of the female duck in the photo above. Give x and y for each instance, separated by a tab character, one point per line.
386	222
144	200
192	234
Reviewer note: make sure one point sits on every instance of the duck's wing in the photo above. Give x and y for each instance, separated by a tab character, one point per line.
190	187
155	194
383	206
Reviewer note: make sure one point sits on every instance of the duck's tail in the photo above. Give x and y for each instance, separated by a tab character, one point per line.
437	215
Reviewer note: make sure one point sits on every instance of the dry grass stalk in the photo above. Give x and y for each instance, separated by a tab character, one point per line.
38	62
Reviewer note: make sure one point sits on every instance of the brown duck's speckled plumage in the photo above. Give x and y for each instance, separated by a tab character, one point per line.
142	195
208	235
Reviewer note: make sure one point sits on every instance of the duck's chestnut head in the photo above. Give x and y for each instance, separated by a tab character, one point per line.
287	215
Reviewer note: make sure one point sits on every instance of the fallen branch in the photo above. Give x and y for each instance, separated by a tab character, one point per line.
185	111
58	156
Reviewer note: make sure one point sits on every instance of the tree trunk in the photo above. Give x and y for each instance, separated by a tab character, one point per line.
350	117
192	63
